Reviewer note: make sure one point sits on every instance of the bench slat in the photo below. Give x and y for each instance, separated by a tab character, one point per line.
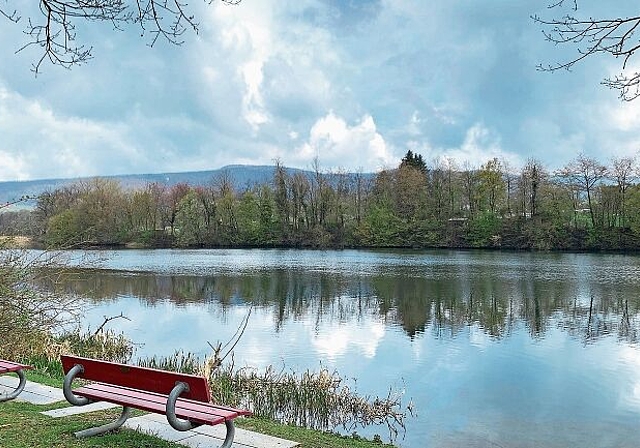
8	366
147	402
223	411
182	403
141	378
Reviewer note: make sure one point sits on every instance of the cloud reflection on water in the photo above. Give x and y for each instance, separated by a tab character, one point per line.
493	348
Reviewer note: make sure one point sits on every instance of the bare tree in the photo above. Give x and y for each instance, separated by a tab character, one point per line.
282	195
53	29
23	198
623	174
491	184
585	172
510	181
594	36
299	188
531	179
470	185
28	313
449	165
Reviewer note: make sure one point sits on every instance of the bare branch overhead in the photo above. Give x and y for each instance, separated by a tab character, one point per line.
54	28
616	37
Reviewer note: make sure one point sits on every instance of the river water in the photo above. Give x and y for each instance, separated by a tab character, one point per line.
492	349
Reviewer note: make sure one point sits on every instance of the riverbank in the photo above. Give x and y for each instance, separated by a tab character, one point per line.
578	241
23	424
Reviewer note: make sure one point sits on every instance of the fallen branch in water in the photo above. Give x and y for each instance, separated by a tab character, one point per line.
109	319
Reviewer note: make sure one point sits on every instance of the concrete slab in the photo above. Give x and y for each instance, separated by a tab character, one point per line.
202	441
75	410
156	418
155	428
163	430
244	437
33	392
214	435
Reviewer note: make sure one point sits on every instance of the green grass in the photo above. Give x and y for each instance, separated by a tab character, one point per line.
308	438
38	377
22	425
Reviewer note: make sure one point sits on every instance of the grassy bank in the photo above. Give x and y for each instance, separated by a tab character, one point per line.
23	425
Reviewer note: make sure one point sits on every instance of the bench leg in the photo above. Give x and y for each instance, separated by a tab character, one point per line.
231	432
126	411
16	392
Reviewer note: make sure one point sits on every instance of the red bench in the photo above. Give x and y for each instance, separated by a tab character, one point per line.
18	369
184	399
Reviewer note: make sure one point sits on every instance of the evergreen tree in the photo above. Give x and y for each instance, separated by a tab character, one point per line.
414	161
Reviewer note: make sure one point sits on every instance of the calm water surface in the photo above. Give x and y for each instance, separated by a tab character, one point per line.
494	349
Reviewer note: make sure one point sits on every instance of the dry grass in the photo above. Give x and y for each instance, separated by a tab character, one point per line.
321	400
28	317
16	242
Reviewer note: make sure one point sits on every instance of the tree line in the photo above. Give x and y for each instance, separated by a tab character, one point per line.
586	205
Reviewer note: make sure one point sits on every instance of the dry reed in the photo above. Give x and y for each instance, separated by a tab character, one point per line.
320	400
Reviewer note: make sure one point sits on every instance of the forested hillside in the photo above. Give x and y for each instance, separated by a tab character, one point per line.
584	206
242	176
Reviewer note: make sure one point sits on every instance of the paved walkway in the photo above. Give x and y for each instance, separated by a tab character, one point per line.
155	424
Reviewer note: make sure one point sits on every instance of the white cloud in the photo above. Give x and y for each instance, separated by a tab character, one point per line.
332	342
413	128
38	143
628	364
479	146
446	114
259	37
245	33
625	116
13	166
337	144
479	338
258	80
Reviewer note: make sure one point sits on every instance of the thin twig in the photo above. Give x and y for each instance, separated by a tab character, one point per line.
109	319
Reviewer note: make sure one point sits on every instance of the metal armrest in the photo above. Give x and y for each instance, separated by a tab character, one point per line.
66	388
22	381
174	421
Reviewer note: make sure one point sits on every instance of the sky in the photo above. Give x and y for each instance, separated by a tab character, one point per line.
353	83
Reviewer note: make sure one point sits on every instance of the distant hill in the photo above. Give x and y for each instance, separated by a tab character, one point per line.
241	175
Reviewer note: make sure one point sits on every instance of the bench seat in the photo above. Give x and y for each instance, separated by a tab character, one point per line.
195	411
11	367
18	369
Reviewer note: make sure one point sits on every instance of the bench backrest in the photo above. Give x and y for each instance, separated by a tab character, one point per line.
140	378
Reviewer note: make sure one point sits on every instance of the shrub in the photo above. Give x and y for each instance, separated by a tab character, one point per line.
28	316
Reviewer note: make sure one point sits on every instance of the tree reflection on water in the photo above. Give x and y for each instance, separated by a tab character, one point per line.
443	306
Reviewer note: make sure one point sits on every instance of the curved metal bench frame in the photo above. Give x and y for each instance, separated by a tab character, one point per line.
185	425
82	401
174	421
22	382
